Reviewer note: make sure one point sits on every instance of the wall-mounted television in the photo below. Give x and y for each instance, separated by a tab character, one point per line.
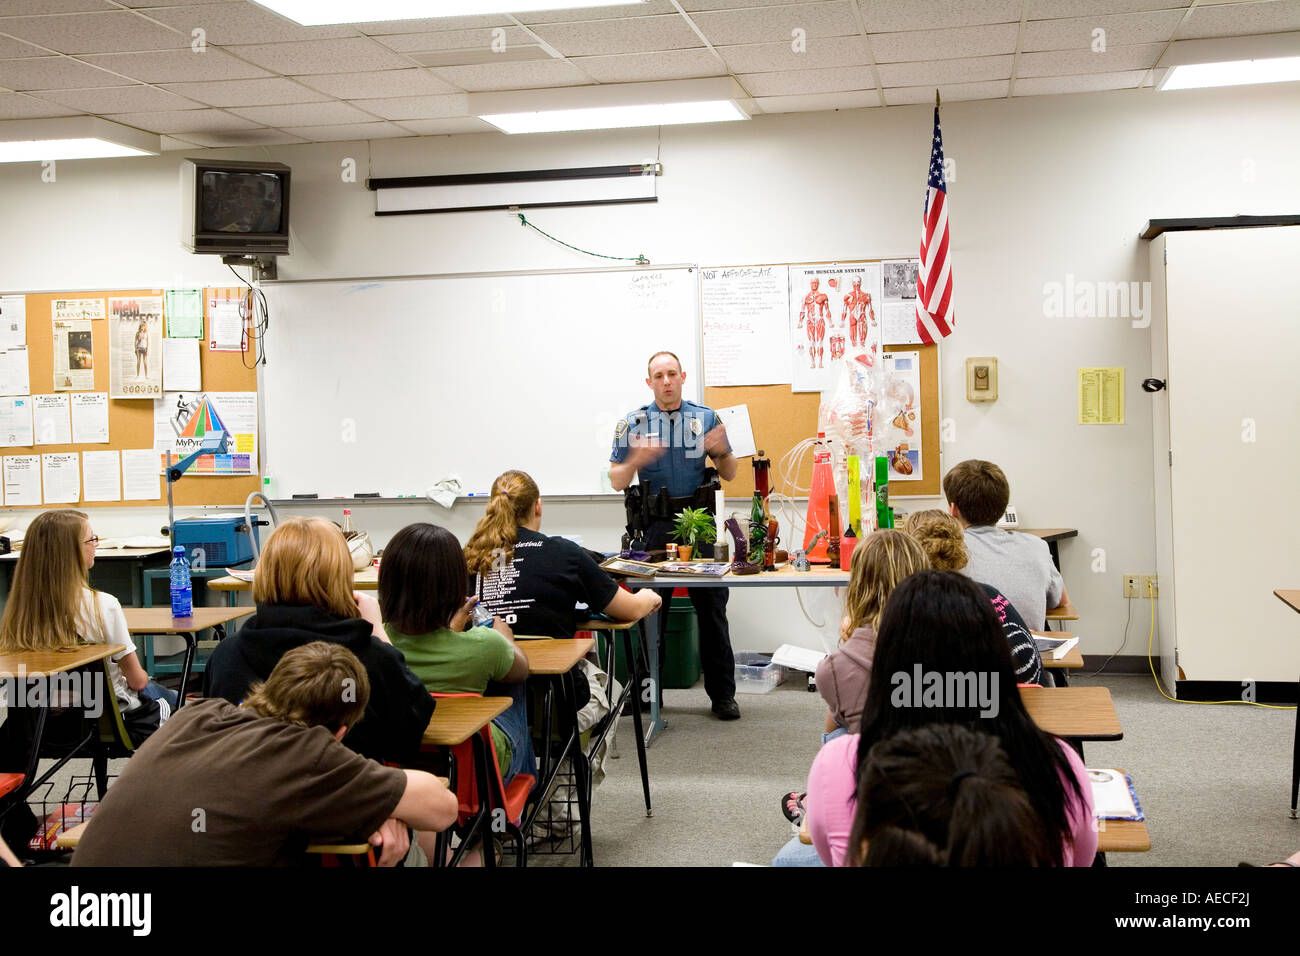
230	207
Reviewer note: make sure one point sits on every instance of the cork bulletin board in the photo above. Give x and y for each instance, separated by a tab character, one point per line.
131	421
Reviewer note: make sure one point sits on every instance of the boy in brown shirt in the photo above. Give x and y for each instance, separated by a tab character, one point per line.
221	785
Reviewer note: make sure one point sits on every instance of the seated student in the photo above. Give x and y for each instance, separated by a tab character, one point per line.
303	591
51	605
941	537
939	625
7	857
944	795
535	581
422	596
252	785
1019	565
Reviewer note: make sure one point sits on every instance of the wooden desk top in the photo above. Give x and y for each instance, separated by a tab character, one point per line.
556	655
456	719
1290	598
42	663
1072	660
606	626
1066	612
159	620
367	580
1080	713
104	554
1050	534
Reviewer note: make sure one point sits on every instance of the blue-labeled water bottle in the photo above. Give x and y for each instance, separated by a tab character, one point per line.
182	590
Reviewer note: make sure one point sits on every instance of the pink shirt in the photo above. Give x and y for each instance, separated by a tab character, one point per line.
830	807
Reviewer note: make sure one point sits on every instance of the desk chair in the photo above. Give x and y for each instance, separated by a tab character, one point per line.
479	756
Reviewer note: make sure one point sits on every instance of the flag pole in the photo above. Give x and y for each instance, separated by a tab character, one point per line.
936	98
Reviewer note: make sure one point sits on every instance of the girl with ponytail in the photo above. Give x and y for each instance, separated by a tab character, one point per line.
534	581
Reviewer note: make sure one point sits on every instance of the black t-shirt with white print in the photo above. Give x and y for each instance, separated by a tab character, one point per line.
538	590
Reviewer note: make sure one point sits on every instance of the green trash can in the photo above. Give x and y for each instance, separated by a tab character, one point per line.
682	664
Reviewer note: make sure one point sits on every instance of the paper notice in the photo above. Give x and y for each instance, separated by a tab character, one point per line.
69	309
226	324
899	438
181	365
898	301
89	418
53	424
14	377
739	430
744	321
140	475
135	347
832	315
22	474
61	476
13	321
16	422
184	311
235	411
74	356
102	475
1101	396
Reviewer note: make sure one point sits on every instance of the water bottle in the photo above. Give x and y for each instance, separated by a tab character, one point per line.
182	590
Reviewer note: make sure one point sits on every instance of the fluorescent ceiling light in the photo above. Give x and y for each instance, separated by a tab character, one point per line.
611	106
1231	73
72	137
318	12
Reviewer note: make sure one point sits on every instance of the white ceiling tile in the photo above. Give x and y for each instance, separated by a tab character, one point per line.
114	32
351	131
795	82
323	56
890	16
433	24
10	48
479	56
945	44
143	4
634	35
647	67
304	114
904	95
970	70
630	10
770	24
1140	56
486	39
1121	30
858	99
171	144
228	23
272	91
54	73
697	6
22	8
438	127
1039	85
22	106
819	52
121	99
532	74
183	121
1058	9
250	137
385	83
416	107
176	66
1242	19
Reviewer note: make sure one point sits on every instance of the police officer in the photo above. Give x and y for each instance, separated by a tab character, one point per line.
664	444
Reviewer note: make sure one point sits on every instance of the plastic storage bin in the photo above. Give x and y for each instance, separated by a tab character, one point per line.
756	674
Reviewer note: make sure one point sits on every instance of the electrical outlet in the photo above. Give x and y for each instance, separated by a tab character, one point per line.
1132	585
1154	592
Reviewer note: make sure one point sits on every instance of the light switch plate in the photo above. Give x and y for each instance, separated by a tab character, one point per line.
982	379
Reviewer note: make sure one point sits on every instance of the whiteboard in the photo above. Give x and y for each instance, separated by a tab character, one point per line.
389	385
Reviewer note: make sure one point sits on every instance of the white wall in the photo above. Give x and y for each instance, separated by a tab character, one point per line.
1044	186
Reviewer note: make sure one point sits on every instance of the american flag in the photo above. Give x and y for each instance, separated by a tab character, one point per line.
934	313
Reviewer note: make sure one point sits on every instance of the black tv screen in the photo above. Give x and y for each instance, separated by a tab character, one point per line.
238	202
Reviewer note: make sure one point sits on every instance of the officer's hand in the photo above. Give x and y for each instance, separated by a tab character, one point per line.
644	451
715	441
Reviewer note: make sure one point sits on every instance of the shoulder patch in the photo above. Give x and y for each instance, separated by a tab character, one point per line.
620	429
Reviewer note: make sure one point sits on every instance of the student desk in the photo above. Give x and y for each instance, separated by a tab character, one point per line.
134	559
554	660
1292	600
365	580
1075	713
148	621
631	691
29	664
454	721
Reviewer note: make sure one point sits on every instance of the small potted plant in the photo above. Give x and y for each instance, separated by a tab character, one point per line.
693	525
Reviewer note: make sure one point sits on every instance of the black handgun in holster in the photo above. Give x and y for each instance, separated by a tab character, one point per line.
645	509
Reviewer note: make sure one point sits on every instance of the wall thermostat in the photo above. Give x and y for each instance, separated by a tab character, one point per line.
982	379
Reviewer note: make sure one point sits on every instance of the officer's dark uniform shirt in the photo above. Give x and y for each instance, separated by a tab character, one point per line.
682	465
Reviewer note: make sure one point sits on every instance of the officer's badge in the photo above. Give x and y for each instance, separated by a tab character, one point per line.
696	427
620	429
